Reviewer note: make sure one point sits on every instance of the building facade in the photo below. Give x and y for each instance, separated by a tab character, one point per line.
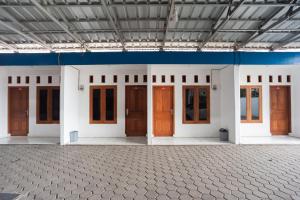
150	100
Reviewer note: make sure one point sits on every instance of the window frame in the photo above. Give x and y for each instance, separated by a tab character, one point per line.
49	105
249	105
102	104
196	89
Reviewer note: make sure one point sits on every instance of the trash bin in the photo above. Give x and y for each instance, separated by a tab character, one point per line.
223	134
73	136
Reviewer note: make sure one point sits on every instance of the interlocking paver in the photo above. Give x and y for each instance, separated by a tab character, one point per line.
151	172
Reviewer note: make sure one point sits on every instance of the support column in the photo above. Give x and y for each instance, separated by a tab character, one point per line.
230	102
295	99
3	103
150	104
69	103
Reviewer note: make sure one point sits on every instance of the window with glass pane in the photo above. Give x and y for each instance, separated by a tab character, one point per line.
243	102
189	104
55	104
255	104
103	102
96	104
196	104
203	104
43	104
48	104
251	110
109	104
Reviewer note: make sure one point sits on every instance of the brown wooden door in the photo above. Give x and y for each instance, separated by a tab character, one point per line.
163	109
136	111
280	110
18	111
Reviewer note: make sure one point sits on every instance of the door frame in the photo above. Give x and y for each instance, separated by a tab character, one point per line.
289	109
9	104
146	108
153	116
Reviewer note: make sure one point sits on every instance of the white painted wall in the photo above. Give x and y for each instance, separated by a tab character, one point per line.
106	130
35	130
263	129
295	101
3	103
69	102
191	130
229	83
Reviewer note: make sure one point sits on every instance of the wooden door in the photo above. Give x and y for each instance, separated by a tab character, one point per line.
136	111
18	111
280	100
163	109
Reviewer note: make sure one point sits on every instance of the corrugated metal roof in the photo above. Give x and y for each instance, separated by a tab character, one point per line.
143	24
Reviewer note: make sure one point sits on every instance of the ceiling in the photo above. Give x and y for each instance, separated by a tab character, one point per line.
118	25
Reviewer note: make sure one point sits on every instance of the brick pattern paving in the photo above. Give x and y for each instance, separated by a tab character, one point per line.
151	172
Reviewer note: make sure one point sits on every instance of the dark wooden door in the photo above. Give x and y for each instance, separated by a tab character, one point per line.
280	100
18	111
163	109
136	110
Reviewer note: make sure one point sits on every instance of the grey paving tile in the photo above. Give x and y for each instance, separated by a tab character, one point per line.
151	172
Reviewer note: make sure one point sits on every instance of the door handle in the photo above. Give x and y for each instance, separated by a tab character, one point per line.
27	113
127	111
171	111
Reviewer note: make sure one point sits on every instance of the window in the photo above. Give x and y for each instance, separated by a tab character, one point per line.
50	79
163	78
196	104
9	79
207	79
195	79
103	104
48	105
184	78
248	79
115	78
172	78
126	78
153	78
27	80
288	78
145	78
251	104
38	79
259	78
136	78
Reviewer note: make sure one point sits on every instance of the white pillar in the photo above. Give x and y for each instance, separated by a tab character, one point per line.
230	102
149	102
69	102
295	99
3	103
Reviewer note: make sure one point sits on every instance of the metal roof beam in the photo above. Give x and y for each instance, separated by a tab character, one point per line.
287	41
25	35
25	28
8	46
114	23
172	11
221	23
287	16
148	3
66	29
94	20
145	30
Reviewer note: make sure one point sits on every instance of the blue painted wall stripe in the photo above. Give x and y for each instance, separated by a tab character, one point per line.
93	58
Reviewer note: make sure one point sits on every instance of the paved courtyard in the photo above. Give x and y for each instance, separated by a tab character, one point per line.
151	172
